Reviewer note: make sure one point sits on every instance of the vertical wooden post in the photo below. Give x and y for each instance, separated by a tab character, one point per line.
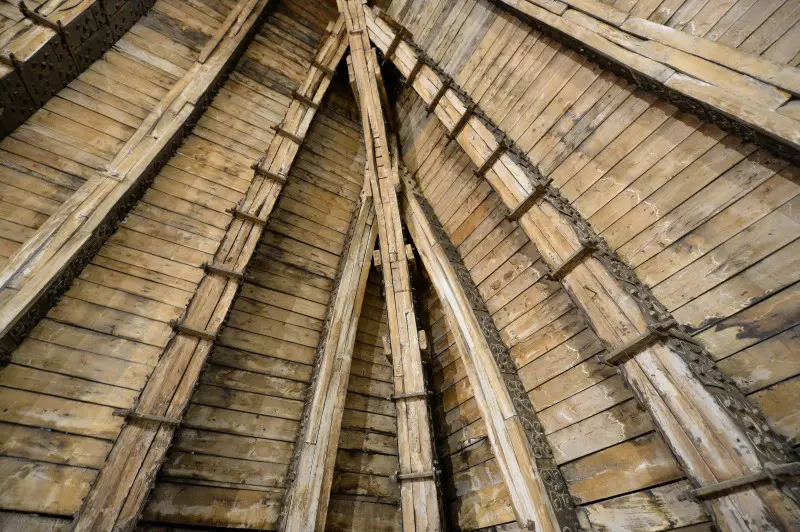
306	503
538	493
715	432
418	491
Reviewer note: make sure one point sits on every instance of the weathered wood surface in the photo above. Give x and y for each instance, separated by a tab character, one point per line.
306	505
616	320
419	498
474	492
118	495
97	350
79	131
367	459
244	418
750	89
663	188
555	351
73	227
537	502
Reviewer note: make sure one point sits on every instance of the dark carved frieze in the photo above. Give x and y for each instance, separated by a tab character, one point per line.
73	48
554	483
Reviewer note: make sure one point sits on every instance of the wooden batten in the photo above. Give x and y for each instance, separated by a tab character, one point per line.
419	493
524	464
119	493
306	503
58	250
674	379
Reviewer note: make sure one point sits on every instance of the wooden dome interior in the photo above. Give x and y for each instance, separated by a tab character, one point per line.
400	265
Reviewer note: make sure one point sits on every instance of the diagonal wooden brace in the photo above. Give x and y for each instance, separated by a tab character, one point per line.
573	260
635	346
770	471
278	178
325	70
135	416
39	19
291	136
398	37
416	476
470	110
502	146
224	272
413	395
414	71
237	212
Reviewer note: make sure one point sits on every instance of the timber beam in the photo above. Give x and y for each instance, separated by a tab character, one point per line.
306	504
33	279
119	493
654	57
712	428
419	498
52	46
537	490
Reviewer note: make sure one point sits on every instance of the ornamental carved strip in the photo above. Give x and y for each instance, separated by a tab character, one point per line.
73	48
554	483
770	446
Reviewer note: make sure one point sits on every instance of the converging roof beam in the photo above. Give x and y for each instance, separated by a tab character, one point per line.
716	433
417	474
119	493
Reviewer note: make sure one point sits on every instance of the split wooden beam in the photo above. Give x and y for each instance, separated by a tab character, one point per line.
418	493
119	493
305	507
58	250
714	431
538	493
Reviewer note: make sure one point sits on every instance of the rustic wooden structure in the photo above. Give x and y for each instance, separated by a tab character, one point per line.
535	267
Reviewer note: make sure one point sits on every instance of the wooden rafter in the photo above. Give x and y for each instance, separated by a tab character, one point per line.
419	497
119	493
711	427
539	504
306	503
695	73
72	231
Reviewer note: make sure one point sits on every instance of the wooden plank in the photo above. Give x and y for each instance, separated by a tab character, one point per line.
418	497
512	449
614	316
306	505
118	495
